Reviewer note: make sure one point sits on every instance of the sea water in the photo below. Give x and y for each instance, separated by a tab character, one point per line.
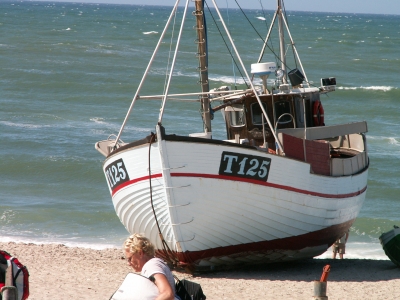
69	72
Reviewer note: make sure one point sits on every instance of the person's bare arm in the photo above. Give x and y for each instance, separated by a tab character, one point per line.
166	292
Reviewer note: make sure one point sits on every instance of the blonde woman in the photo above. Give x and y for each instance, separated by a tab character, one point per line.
139	253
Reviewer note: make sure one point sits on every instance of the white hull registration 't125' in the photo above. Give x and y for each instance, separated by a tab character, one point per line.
281	186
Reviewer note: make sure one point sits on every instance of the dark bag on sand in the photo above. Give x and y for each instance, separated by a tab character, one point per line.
188	290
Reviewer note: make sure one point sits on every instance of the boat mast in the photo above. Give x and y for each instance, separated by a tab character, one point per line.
282	41
203	63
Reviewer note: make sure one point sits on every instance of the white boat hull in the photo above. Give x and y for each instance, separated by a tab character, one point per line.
211	214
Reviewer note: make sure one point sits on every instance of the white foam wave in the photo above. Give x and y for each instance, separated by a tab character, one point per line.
98	120
379	138
378	88
261	18
393	141
99	132
30	126
150	32
71	244
359	251
7	216
140	129
375	88
353	250
6	46
227	79
34	71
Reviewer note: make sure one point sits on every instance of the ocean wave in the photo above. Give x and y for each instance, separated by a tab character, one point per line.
67	243
98	120
356	250
7	217
67	159
163	72
393	141
7	46
227	79
34	71
388	139
375	88
100	132
29	126
139	129
353	250
150	32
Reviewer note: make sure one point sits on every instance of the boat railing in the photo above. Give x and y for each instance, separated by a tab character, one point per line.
349	165
351	141
337	150
105	147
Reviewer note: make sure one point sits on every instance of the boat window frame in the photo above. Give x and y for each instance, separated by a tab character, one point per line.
261	113
283	121
234	112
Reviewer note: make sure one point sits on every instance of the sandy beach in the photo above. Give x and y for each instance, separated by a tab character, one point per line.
60	272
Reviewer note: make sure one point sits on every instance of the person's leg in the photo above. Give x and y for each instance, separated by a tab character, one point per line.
341	251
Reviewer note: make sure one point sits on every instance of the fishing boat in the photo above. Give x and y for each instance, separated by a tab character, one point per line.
280	185
390	242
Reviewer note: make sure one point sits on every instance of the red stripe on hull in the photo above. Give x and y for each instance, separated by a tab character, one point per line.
273	185
324	237
132	181
231	178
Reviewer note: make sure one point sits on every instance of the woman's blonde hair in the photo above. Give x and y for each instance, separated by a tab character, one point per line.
137	242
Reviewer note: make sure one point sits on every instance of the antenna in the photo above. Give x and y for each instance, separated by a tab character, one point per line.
263	70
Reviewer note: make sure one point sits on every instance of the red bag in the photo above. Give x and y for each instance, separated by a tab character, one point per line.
20	274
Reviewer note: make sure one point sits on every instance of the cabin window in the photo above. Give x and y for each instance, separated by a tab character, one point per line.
283	107
256	113
236	115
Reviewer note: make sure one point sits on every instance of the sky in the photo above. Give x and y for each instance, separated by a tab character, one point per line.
347	6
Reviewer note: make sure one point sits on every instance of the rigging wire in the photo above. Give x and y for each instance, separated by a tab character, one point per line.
259	35
227	47
277	57
265	18
233	67
287	21
169	55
